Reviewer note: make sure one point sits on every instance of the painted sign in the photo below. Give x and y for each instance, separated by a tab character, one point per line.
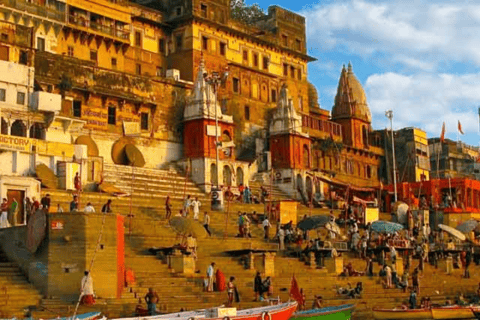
15	143
131	128
57	225
211	131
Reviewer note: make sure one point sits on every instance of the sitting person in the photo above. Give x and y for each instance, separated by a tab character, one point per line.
317	302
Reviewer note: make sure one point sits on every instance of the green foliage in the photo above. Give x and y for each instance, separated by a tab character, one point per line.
247	14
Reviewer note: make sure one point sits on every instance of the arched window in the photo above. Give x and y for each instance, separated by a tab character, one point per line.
37	131
369	172
226	136
306	156
19	129
239	176
227	176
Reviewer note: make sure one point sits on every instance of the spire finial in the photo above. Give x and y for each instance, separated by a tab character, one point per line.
350	69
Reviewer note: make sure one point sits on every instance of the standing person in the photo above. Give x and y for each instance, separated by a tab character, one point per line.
266	227
210	276
46	202
317	302
240	225
230	291
87	290
257	287
388	276
267	286
416	281
186	206
28	208
247	195
168	208
206	223
77	182
107	207
59	208
151	298
4	215
412	300
468	260
89	208
393	254
196	204
281	238
74	204
246	226
35	205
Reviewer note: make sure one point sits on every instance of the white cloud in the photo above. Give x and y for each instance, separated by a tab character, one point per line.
426	101
418	34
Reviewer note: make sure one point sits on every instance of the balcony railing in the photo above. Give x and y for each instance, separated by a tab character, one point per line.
110	30
42	11
329	127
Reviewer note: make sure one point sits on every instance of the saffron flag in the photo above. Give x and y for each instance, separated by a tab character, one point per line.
460	127
295	291
442	136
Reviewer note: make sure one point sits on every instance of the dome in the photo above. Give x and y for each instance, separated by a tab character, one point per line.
350	101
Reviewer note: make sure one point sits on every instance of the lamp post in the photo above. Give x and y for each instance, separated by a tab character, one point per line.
215	79
389	115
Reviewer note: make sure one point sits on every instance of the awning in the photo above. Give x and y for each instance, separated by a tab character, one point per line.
340	184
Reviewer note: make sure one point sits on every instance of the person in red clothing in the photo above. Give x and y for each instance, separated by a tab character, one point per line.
77	182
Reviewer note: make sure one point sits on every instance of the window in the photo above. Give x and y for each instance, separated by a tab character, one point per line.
77	108
70	51
298	44
21	98
292	71
178	11
3	95
205	43
138	69
40	44
245	56
299	74
236	83
93	55
138	38
144	121
23	59
203	9
114	62
285	69
266	62
4	37
159	72
274	95
178	42
247	113
255	60
161	46
284	40
223	48
112	115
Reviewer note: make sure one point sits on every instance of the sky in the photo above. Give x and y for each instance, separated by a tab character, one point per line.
420	59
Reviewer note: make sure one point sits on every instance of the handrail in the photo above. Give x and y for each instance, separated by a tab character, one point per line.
111	30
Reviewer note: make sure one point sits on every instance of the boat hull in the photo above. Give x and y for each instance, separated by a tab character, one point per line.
400	314
343	312
453	313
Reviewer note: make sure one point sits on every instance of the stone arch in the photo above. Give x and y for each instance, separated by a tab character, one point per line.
240	176
37	131
227	176
213	174
19	129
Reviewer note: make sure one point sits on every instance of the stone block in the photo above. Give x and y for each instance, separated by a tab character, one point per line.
183	264
334	265
269	264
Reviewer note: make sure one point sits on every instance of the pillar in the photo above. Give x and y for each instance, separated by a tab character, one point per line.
449	265
269	263
251	261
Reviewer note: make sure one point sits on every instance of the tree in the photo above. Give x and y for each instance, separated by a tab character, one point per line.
247	14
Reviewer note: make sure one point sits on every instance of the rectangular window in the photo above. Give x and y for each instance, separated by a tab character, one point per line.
159	72
205	43
285	69
138	39
298	44
178	11
265	63
178	42
299	74
21	98
247	113
93	55
23	59
70	51
114	63
161	46
40	44
284	40
138	69
255	60
144	121
292	72
236	84
274	95
223	48
3	95
245	56
112	115
77	108
203	9
4	37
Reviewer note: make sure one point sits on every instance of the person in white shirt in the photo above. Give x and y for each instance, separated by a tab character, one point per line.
89	208
195	204
86	288
281	239
266	227
206	223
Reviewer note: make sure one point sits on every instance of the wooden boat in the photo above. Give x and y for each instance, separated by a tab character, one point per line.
342	312
453	312
393	314
84	316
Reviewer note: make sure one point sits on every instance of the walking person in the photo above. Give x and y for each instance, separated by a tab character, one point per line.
107	207
257	287
87	290
186	206
151	298
210	277
46	202
231	291
266	227
196	204
206	223
168	208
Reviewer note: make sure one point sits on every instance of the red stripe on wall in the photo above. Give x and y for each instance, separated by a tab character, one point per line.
120	256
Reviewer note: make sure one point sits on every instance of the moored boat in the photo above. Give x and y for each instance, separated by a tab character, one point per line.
394	314
84	316
453	312
342	312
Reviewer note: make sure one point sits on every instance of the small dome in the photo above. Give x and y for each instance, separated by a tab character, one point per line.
351	100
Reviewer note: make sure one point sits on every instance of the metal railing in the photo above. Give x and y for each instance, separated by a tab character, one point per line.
42	11
322	125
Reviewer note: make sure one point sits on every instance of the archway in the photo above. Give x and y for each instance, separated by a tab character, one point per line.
37	131
309	186
227	176
18	129
239	176
213	175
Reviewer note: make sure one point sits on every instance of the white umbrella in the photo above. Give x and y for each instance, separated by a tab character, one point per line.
453	232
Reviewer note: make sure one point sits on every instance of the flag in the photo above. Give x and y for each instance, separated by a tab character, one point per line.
442	136
295	291
460	127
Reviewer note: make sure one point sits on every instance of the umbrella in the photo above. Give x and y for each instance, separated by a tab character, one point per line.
386	227
400	209
468	226
313	222
185	227
452	231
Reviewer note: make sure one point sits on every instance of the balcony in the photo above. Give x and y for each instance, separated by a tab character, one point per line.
322	128
44	11
113	31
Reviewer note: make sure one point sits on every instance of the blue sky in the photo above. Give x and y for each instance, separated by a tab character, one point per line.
419	58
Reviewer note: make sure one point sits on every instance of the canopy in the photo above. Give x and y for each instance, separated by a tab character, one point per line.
468	226
340	184
313	222
386	226
452	231
185	227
